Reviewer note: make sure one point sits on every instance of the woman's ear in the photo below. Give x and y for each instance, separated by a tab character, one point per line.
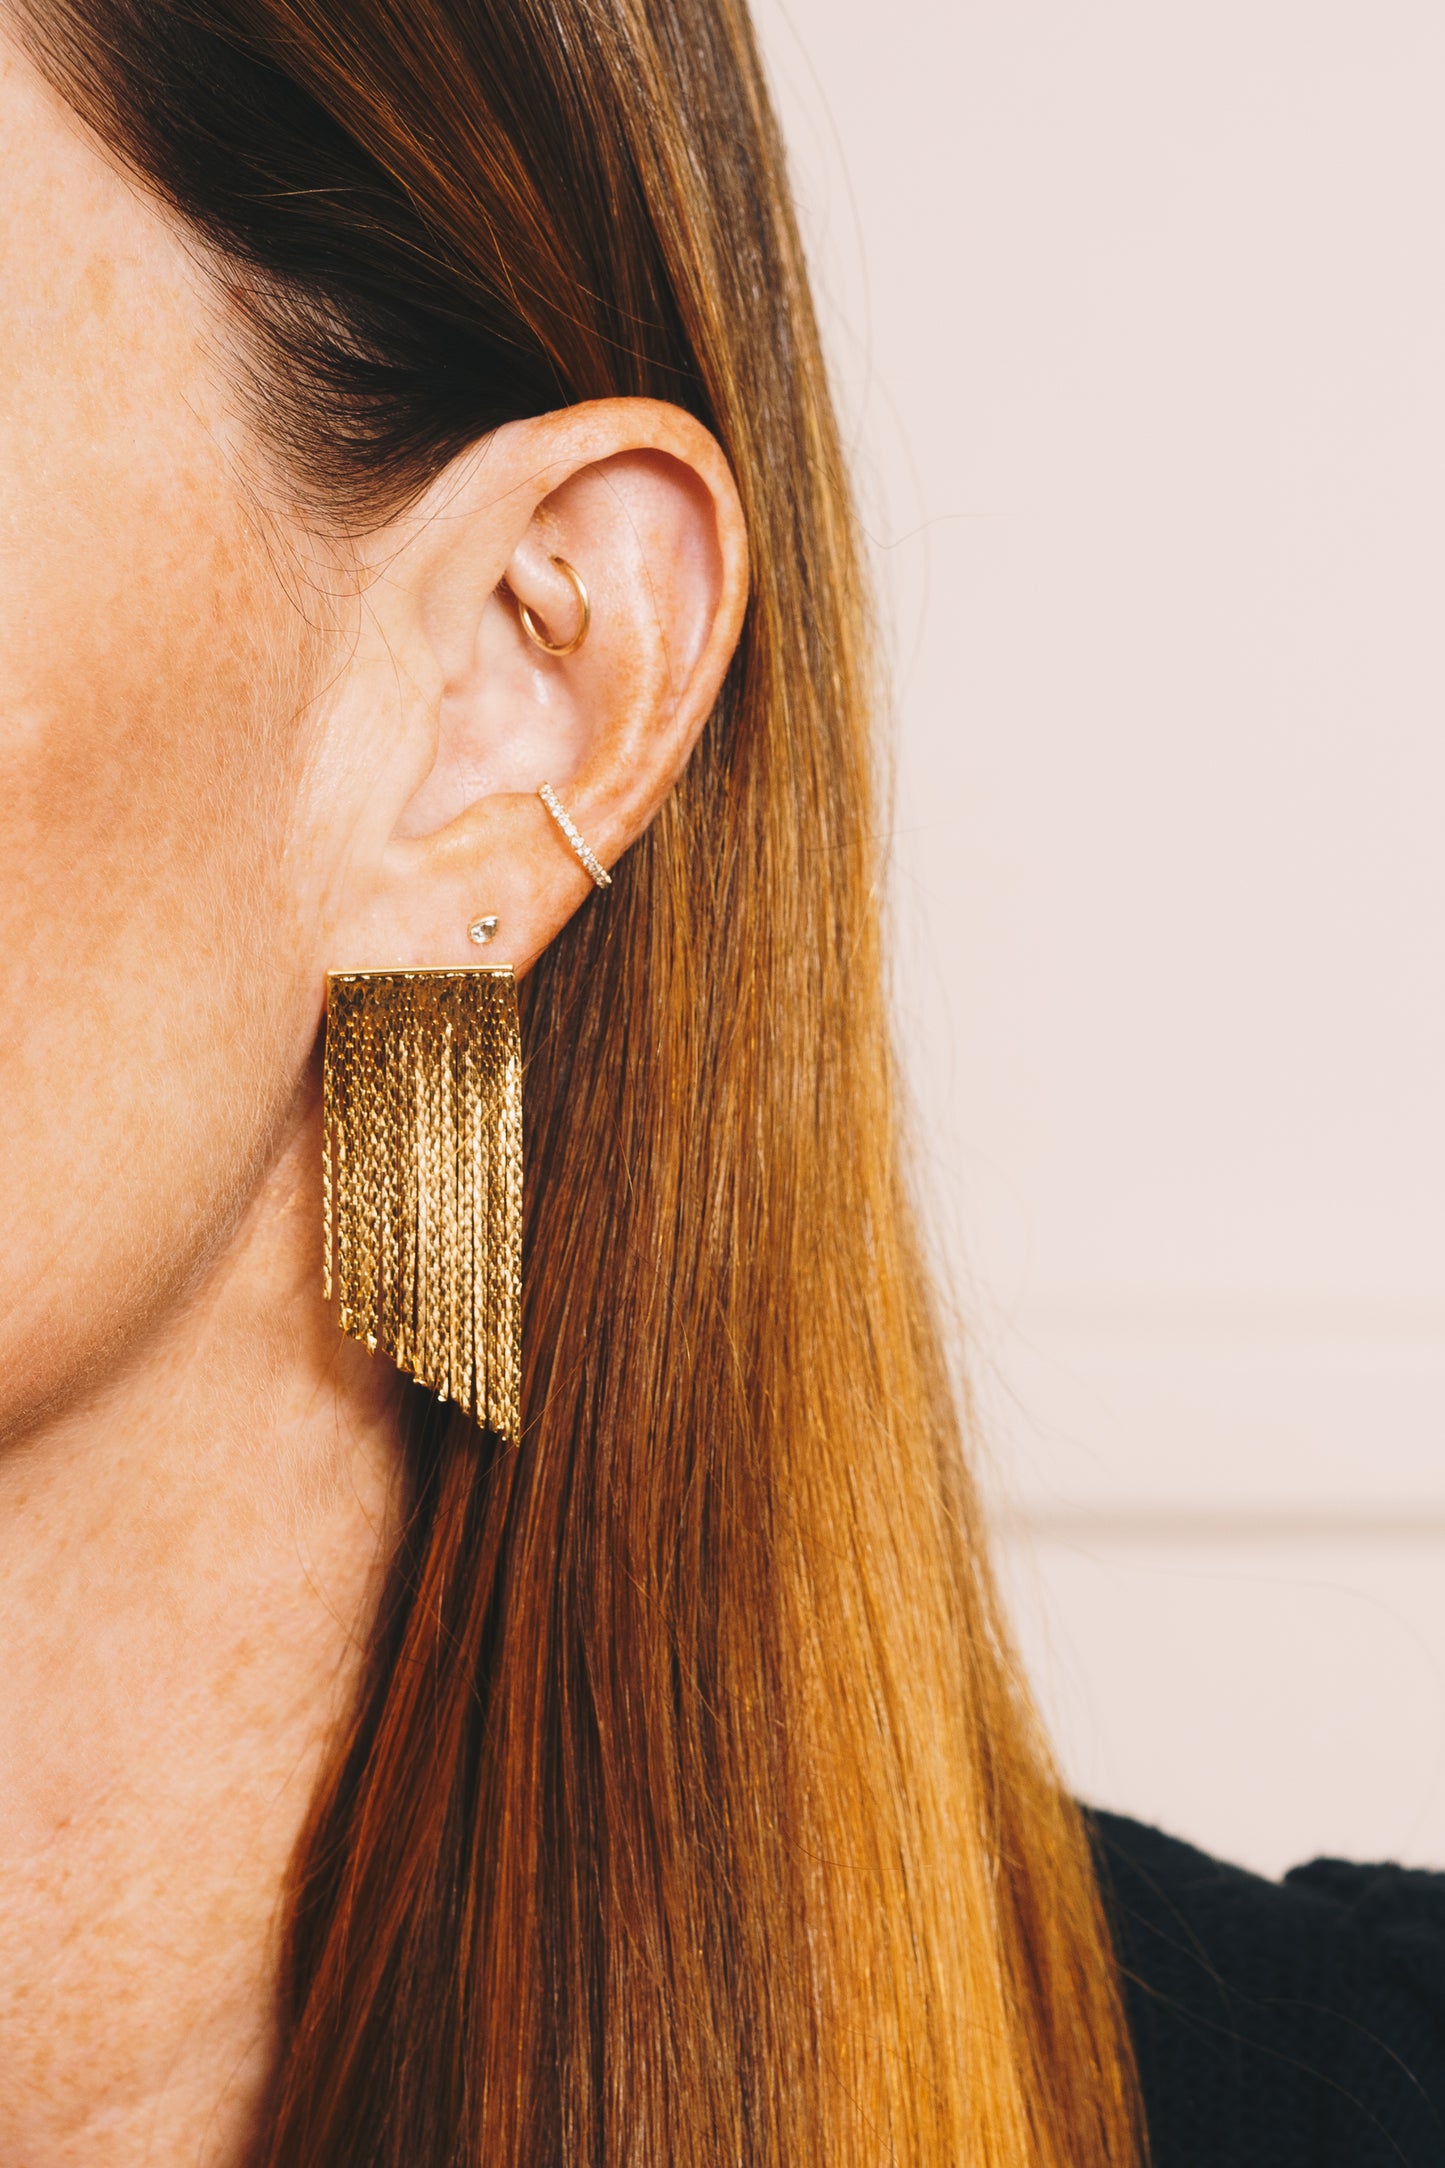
560	608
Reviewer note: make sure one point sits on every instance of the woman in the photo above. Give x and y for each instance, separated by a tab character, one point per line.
405	407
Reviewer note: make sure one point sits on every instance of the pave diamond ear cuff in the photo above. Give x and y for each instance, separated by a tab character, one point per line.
579	849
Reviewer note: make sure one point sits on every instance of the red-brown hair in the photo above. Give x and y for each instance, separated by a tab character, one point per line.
693	1813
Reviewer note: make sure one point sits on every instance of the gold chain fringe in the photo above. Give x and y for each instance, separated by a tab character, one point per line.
422	1178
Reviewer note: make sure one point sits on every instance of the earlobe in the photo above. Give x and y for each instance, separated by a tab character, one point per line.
567	608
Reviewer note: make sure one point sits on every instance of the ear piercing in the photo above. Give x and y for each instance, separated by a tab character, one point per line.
482	930
532	626
579	849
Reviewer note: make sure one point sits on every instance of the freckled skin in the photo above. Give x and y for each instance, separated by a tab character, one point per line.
144	656
156	1020
233	754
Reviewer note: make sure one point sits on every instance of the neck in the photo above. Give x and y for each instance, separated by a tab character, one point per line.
189	1566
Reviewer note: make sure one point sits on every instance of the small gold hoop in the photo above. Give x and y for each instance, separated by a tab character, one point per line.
533	629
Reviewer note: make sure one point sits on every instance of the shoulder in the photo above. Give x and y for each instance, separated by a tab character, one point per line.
1298	2023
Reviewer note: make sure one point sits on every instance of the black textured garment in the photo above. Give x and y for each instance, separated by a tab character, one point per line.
1293	2024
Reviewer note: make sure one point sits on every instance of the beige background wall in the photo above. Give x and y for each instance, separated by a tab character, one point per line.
1138	315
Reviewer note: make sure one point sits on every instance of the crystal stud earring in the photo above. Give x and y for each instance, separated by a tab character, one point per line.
481	930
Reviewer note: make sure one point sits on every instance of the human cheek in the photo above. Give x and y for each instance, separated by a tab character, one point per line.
150	674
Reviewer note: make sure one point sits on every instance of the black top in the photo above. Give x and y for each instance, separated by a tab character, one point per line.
1294	2024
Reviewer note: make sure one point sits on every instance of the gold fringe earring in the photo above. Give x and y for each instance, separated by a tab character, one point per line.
422	1104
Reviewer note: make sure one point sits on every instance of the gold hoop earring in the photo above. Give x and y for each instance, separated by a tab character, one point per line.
531	624
422	1178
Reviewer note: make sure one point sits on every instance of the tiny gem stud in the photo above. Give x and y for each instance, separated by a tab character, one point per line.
481	929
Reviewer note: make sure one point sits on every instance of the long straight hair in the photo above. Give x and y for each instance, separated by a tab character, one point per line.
693	1813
